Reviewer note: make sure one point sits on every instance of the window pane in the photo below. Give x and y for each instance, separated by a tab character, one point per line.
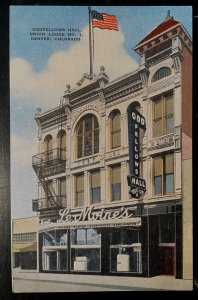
116	176
95	179
81	236
85	259
95	123
161	73
79	146
96	195
158	185
116	122
116	139
63	186
49	238
169	183
79	183
88	144
158	166
80	128
169	105
80	198
169	124
61	237
88	124
157	109
169	164
157	130
96	141
116	191
63	259
93	237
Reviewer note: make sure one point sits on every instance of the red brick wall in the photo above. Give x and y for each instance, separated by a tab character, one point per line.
187	92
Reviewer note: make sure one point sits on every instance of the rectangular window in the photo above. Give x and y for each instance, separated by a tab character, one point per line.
116	183
95	187
24	237
163	115
80	190
63	192
163	174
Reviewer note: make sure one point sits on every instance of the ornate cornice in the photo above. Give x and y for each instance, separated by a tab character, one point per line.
123	99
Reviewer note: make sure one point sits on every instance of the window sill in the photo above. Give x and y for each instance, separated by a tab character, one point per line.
114	149
86	157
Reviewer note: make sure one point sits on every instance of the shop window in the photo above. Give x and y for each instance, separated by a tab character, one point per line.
115	129
116	183
85	237
55	260
164	174
80	190
87	136
85	250
95	187
55	238
167	228
55	250
125	251
163	120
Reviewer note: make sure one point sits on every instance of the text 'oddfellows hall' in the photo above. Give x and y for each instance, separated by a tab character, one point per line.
114	167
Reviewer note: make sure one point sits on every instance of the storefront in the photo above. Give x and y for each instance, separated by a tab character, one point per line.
131	241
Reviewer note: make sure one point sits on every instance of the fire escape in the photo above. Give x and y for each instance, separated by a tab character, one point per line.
45	165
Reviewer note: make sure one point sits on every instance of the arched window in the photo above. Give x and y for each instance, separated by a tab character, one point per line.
115	129
161	73
87	136
62	143
48	145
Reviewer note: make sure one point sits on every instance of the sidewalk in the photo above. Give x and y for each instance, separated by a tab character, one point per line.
168	283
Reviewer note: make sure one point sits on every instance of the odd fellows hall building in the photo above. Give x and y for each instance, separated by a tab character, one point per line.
93	220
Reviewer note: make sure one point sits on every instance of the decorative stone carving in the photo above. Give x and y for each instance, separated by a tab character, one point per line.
86	76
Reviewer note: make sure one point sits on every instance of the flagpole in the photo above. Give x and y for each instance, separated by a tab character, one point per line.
90	42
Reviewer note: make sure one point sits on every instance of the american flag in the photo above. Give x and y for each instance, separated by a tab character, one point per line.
104	21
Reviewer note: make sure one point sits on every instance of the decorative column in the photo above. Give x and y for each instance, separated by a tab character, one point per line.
124	185
72	191
103	185
124	131
86	189
149	178
108	184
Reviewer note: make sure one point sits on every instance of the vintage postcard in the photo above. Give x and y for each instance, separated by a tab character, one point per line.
101	154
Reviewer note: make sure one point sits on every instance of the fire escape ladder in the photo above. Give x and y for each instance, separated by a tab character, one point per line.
51	195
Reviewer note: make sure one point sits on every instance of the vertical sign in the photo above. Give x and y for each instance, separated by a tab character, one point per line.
135	122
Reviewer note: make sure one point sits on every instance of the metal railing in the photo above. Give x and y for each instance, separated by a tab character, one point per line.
53	155
49	203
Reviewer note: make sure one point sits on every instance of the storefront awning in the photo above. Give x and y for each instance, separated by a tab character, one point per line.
24	247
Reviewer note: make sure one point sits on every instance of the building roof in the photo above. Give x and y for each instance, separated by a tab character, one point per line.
164	26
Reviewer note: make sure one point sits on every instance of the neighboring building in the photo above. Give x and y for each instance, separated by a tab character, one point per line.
88	220
24	243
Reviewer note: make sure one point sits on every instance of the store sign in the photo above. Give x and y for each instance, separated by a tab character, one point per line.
89	214
135	122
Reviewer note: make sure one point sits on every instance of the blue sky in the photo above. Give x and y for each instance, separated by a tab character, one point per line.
40	70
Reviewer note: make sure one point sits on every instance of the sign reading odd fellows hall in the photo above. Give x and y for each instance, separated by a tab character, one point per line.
135	122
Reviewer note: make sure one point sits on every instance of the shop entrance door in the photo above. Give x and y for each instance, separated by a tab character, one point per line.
168	260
